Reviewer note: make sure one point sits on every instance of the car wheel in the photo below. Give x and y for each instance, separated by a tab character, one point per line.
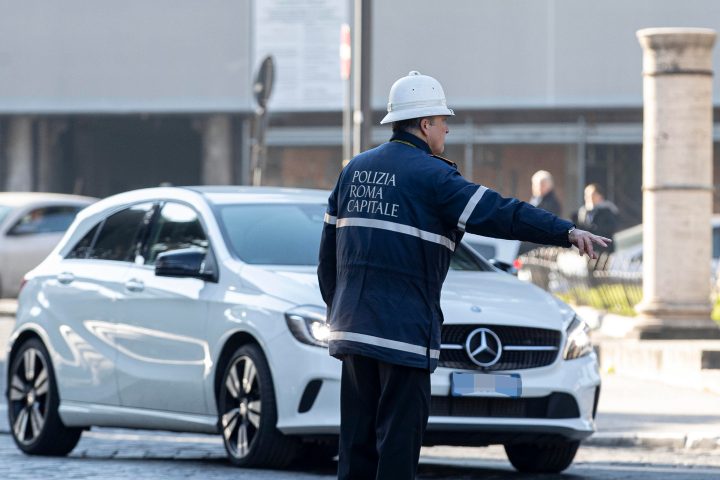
33	403
248	413
542	457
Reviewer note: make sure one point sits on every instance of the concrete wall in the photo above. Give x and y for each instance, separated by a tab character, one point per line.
187	55
128	56
526	53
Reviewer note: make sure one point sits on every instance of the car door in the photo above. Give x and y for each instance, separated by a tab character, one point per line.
30	238
163	358
84	298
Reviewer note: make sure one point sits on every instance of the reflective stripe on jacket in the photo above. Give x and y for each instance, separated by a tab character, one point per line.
393	221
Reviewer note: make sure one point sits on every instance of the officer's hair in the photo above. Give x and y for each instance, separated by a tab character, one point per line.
409	124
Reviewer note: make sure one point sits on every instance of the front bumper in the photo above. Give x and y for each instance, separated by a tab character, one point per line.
559	400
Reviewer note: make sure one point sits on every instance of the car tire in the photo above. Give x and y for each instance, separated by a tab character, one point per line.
247	413
542	457
32	398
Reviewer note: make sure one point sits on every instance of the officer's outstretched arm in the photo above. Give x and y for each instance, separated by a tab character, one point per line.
478	209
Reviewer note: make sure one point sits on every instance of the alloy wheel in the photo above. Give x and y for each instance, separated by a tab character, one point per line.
242	406
29	396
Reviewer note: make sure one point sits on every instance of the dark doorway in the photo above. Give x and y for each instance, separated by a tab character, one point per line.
107	155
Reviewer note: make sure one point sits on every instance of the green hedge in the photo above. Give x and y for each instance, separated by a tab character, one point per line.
615	298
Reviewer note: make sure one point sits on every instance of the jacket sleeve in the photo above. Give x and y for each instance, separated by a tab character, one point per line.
478	209
327	265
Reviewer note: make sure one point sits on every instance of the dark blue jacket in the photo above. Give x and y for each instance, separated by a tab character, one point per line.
393	222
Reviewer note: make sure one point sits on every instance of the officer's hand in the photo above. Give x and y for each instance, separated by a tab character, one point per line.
584	240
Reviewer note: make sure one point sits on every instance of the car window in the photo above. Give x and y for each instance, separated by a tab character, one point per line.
284	234
45	220
177	226
83	247
487	251
465	260
274	234
4	210
119	234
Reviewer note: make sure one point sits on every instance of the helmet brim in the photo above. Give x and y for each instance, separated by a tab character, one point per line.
399	115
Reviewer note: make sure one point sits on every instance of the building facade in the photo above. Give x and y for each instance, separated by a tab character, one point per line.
101	97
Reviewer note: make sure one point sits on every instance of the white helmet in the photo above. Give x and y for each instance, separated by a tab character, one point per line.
415	96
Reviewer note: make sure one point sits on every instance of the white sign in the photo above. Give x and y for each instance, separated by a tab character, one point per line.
303	36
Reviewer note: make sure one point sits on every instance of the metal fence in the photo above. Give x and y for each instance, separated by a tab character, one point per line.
610	283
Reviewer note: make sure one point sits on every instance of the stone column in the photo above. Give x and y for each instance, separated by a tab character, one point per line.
677	182
48	170
19	154
217	150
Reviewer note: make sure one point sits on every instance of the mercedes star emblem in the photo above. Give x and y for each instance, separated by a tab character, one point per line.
483	347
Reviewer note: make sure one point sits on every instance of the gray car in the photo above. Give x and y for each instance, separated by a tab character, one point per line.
31	224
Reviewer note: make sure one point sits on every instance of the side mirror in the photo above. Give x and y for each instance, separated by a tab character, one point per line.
505	267
186	262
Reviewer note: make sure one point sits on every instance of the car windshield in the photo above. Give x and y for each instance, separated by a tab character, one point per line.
4	210
289	234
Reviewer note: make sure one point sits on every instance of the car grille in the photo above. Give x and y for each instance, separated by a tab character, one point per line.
523	347
556	405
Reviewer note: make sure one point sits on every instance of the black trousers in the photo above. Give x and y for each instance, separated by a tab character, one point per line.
384	409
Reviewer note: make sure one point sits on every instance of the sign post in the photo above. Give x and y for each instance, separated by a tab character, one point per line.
262	89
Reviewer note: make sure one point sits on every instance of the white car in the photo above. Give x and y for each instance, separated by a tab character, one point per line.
505	251
198	310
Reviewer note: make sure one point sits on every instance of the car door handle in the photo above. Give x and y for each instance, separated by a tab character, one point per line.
65	278
135	285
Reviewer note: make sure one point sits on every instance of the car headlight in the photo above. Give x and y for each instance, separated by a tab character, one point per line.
577	343
309	325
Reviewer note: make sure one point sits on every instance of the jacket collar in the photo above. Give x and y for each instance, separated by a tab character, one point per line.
405	137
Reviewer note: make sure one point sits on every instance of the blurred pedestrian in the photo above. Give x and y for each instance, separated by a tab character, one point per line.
543	192
543	196
598	215
393	221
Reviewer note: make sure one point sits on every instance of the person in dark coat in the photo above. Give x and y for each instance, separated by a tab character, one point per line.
393	222
543	196
598	215
543	190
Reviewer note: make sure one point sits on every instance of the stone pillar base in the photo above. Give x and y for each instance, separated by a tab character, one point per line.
663	321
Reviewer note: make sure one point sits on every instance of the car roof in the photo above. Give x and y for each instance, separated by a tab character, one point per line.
632	236
211	194
245	194
16	199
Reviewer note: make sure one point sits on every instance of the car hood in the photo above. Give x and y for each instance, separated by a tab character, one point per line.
467	297
498	298
298	285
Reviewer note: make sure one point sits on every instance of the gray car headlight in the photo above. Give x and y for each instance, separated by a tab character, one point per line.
577	343
308	324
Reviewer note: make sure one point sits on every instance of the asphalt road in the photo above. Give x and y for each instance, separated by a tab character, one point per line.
118	454
122	454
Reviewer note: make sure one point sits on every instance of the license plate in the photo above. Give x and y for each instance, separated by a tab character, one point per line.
485	385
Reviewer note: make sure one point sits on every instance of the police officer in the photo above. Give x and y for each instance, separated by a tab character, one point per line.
394	219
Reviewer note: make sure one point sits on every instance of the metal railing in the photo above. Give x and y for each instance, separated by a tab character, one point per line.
610	283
